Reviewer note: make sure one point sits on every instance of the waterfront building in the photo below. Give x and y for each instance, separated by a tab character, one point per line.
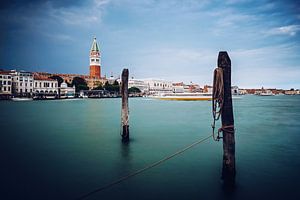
192	87
243	91
5	84
45	87
158	85
68	78
235	90
95	60
140	84
208	89
112	79
22	83
178	87
95	82
66	92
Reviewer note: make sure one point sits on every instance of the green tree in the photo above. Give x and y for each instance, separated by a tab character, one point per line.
115	87
99	87
59	79
80	84
134	90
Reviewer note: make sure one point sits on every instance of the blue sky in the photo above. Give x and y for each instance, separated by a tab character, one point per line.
171	39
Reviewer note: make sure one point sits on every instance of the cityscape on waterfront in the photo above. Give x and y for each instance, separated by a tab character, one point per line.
149	99
42	85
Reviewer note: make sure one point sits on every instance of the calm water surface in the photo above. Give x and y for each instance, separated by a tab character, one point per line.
64	149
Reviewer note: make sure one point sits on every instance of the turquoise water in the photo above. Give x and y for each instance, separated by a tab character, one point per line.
64	149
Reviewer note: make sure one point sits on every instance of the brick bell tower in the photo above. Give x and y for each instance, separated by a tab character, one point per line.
95	60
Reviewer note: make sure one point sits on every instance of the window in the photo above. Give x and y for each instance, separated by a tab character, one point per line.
30	90
0	76
92	60
40	84
52	85
20	90
25	90
21	84
4	82
4	88
8	88
45	84
30	84
97	60
25	84
35	84
8	82
8	77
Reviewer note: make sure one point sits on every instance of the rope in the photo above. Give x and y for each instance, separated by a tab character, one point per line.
217	100
144	169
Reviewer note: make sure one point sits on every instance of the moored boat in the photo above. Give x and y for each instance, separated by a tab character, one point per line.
267	93
21	99
185	96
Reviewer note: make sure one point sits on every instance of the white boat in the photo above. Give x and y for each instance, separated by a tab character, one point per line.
21	99
184	96
267	93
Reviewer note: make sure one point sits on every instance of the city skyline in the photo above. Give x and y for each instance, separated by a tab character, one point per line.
174	40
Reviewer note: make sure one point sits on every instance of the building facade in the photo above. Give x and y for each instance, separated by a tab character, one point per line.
66	92
22	83
140	84
5	83
95	61
44	86
158	85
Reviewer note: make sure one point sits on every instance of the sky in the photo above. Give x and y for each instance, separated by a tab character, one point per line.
174	40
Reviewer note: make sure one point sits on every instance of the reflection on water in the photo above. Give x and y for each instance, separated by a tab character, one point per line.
125	151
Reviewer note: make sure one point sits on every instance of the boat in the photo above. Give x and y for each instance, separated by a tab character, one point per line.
267	93
21	99
185	96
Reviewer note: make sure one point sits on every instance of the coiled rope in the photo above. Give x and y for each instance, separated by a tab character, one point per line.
217	100
144	169
217	104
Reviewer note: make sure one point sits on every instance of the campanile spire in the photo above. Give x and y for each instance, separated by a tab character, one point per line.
95	60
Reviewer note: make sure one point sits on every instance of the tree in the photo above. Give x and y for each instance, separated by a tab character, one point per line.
59	79
80	84
115	87
99	87
134	90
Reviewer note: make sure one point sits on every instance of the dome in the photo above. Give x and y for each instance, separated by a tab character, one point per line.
64	85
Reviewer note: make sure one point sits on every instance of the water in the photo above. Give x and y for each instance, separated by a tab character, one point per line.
64	149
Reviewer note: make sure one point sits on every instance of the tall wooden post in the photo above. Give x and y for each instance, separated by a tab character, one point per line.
125	111
228	171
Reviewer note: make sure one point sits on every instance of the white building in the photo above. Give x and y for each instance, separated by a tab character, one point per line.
5	83
66	92
158	85
45	86
140	84
235	90
22	83
111	80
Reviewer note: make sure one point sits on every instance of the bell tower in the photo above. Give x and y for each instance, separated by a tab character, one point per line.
95	60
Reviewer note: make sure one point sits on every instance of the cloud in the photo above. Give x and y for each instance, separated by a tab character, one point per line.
100	3
59	37
289	30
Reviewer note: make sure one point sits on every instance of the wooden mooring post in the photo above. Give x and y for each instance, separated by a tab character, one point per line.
228	170
125	111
